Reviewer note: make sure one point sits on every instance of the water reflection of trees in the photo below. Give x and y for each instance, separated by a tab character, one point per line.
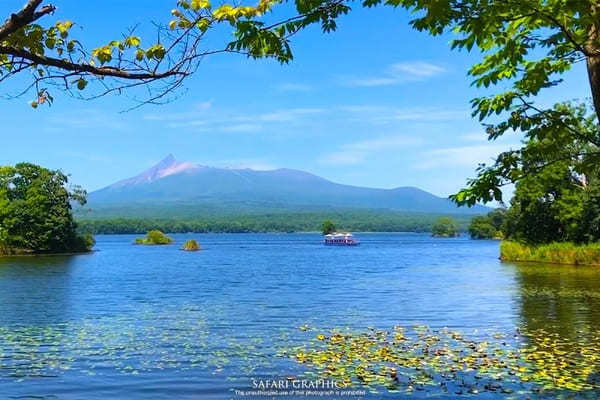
560	299
35	290
560	315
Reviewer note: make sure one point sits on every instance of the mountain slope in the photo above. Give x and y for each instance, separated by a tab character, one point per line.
171	182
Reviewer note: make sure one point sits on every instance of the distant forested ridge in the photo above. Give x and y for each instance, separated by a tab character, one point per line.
357	221
174	196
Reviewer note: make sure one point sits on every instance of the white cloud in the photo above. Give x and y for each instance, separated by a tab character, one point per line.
89	157
241	128
474	137
465	156
364	108
88	118
384	114
287	115
187	124
402	72
371	82
294	87
192	113
343	158
429	114
358	152
384	143
417	69
257	164
232	122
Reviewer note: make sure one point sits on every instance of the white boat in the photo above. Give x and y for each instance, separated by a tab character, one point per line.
340	239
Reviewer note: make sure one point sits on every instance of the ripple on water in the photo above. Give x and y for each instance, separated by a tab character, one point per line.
138	322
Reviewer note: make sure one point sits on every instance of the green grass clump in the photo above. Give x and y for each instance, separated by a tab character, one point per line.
191	245
153	238
556	253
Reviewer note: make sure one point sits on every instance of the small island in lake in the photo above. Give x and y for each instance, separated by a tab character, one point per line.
191	245
154	238
445	227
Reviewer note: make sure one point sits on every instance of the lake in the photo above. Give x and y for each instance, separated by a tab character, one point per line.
153	322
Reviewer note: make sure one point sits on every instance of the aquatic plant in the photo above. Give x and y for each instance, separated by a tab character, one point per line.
126	344
191	245
421	358
154	238
556	253
523	363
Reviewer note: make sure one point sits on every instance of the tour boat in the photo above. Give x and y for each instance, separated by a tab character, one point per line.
341	239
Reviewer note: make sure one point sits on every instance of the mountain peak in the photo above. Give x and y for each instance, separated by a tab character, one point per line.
165	167
168	160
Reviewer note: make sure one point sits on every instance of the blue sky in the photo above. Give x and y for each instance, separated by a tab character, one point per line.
373	104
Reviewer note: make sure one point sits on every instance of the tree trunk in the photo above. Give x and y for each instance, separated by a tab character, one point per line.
593	56
593	67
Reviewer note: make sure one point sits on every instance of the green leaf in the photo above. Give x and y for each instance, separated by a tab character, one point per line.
81	84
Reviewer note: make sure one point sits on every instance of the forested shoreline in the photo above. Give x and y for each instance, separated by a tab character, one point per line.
282	222
35	212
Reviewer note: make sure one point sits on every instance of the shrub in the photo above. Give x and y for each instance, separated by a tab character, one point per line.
154	238
191	245
83	243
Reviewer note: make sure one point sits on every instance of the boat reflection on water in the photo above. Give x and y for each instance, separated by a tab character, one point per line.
341	239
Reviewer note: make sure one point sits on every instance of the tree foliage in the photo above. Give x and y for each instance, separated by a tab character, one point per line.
328	227
53	59
557	193
35	211
154	237
555	206
481	228
246	222
445	227
525	45
488	226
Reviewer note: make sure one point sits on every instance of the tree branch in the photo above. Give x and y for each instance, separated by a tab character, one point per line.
56	60
548	114
570	37
77	67
24	17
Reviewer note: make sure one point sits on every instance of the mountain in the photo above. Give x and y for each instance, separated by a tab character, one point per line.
168	166
172	183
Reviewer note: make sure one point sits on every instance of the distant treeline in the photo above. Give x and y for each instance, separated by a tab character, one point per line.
298	222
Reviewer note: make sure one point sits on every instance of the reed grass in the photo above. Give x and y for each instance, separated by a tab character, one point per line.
555	253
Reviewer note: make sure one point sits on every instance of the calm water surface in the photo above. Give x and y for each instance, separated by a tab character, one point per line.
141	322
